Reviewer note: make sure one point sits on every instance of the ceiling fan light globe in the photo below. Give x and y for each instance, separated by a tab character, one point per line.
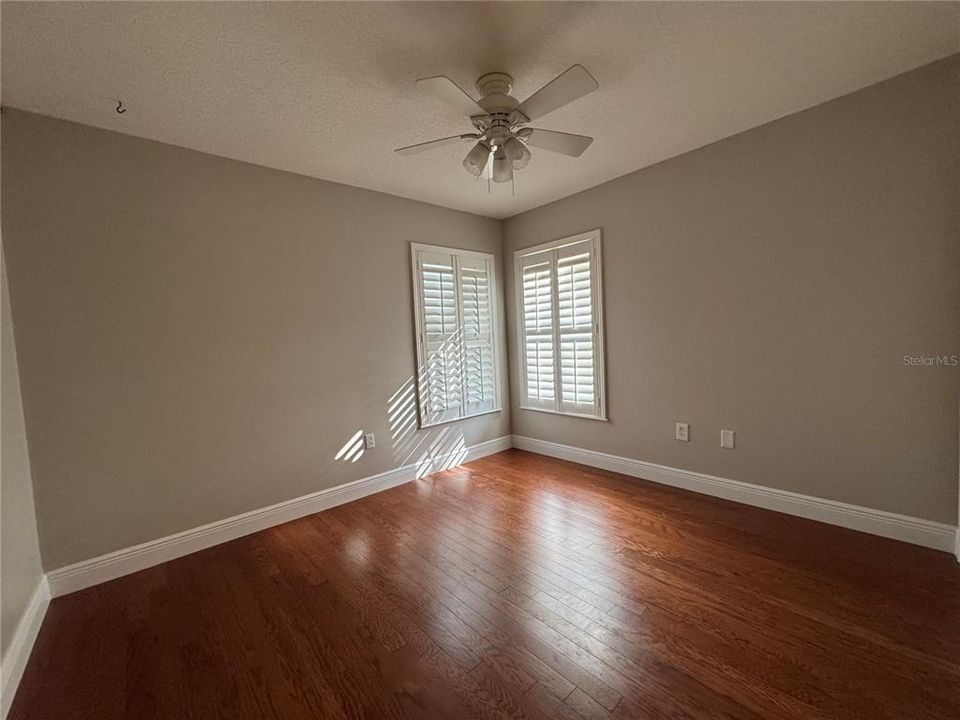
518	153
521	159
476	160
502	169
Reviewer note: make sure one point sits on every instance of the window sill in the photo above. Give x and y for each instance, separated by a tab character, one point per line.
601	418
426	426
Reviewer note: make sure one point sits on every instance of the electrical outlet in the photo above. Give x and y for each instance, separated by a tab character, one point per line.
683	432
727	438
369	441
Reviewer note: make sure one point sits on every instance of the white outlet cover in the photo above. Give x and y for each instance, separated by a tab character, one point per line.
727	439
369	441
683	432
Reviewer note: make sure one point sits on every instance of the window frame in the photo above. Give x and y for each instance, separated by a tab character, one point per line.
596	296
418	318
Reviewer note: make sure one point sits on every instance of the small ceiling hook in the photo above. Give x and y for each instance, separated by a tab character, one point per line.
120	108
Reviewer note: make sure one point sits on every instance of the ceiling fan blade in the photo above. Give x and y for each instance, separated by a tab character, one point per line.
431	144
451	93
560	142
566	87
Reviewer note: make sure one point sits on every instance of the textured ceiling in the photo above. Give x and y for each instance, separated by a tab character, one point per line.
327	89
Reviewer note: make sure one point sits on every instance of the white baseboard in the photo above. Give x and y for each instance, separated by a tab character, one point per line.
927	533
15	660
91	572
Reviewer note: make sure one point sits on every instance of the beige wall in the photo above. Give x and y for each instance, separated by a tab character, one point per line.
771	283
198	336
20	569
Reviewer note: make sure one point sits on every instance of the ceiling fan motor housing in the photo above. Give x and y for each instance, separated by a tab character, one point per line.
502	116
495	83
495	89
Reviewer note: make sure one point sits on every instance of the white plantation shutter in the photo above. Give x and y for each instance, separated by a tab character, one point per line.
560	326
538	323
575	321
441	377
456	334
480	394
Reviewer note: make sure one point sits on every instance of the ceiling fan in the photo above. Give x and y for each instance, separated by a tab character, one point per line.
501	121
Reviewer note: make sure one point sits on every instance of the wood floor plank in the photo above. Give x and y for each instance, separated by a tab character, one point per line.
586	707
517	586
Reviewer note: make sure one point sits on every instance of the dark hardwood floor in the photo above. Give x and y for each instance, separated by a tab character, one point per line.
516	586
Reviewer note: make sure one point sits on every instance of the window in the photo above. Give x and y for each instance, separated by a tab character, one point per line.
560	324
458	373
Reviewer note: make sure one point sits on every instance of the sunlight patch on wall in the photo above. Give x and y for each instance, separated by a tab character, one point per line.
431	449
402	419
446	449
352	449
